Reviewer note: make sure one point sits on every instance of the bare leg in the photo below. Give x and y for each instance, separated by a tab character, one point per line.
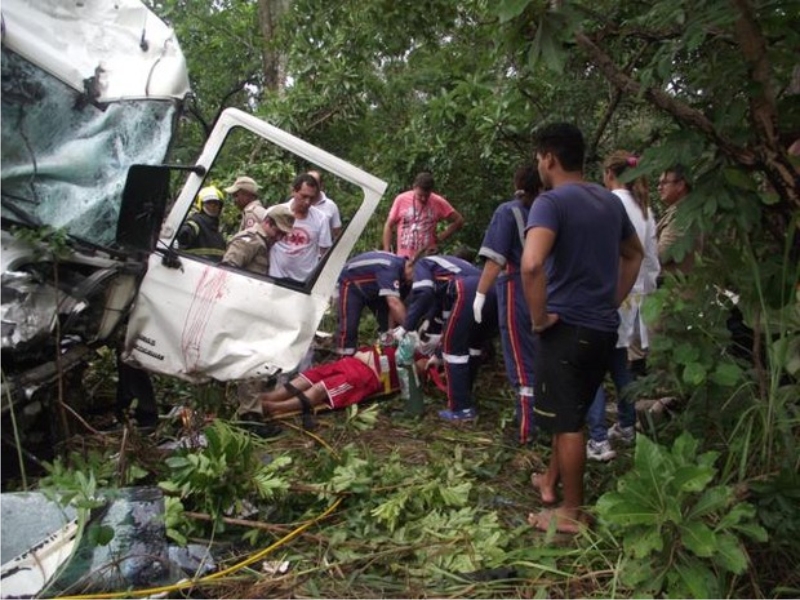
571	463
547	482
283	401
282	392
541	483
567	462
279	407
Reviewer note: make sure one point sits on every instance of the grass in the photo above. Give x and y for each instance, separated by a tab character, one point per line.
348	556
423	509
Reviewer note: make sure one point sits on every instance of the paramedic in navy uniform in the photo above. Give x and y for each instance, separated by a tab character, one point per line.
447	285
373	280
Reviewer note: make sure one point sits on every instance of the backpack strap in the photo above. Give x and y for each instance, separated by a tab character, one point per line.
520	224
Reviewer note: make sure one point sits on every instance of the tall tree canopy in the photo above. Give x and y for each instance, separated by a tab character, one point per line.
457	86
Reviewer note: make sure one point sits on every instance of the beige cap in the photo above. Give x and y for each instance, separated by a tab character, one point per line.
243	183
283	217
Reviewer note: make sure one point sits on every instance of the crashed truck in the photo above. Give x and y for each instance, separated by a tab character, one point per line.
92	92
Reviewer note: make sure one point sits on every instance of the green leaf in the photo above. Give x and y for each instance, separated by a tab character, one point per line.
684	449
694	374
135	473
737	513
740	178
686	353
665	66
653	306
673	507
640	574
644	541
279	462
712	500
730	555
509	9
178	462
169	486
692	478
753	531
251	536
267	484
547	45
388	512
726	374
698	537
177	537
651	461
707	459
351	477
100	535
622	509
456	495
697	579
741	518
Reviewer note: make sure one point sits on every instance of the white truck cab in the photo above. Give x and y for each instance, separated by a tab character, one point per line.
91	95
200	321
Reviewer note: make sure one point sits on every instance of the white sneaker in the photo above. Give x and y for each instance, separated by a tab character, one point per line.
626	435
601	451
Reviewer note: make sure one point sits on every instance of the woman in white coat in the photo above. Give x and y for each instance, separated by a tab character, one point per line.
634	195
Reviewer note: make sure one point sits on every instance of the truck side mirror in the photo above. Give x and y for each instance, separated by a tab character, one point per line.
144	200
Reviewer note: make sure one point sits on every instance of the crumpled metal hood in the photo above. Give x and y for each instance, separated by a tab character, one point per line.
140	55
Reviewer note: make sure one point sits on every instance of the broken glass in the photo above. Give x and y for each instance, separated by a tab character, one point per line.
65	159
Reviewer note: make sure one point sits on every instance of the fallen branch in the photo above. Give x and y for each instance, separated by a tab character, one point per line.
272	527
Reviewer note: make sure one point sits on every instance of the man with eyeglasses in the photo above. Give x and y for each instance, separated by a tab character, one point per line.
673	187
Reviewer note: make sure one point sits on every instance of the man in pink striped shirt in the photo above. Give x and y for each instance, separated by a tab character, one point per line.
416	213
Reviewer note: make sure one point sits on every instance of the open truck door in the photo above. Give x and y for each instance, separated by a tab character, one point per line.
92	95
198	320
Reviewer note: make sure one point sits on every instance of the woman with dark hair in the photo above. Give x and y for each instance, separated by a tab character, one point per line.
634	196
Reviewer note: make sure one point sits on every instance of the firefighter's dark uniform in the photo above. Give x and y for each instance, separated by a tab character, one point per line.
200	235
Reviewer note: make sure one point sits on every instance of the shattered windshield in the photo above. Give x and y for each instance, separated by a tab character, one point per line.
64	159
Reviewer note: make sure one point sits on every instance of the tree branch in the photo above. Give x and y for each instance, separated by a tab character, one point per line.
763	109
754	49
678	110
615	100
766	154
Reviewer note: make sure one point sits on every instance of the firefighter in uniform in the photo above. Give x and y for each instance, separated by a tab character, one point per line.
200	234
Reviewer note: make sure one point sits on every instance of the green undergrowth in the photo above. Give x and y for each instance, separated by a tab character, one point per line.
427	510
417	508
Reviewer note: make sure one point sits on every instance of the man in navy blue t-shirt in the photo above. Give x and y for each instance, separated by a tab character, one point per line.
580	260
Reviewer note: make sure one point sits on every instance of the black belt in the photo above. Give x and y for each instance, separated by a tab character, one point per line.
307	407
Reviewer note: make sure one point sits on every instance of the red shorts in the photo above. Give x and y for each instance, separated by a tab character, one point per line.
347	381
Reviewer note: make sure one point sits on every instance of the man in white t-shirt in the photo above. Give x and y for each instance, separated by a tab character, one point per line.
326	204
296	256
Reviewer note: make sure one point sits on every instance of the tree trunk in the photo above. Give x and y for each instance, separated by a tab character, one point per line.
269	14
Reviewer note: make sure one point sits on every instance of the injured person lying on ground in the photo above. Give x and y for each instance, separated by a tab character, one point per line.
371	371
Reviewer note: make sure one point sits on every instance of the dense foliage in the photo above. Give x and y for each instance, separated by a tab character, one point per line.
456	87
